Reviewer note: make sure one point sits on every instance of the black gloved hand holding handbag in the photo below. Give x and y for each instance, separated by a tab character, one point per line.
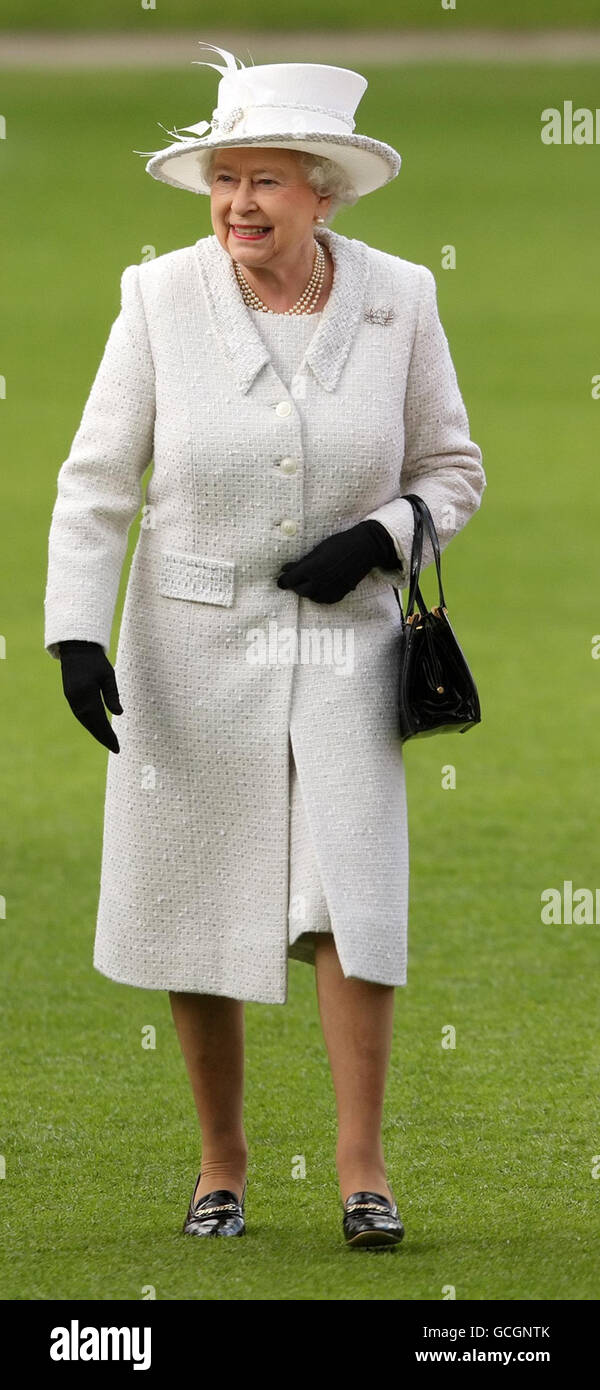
336	565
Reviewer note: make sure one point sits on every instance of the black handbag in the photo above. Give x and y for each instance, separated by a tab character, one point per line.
437	692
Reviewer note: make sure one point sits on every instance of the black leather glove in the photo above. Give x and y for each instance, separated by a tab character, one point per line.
86	673
337	564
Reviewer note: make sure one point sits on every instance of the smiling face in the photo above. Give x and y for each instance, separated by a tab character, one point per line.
264	188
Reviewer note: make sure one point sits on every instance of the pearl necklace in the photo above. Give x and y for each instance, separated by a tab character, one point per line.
307	300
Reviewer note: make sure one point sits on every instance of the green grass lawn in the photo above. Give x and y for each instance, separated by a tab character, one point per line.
490	1146
313	14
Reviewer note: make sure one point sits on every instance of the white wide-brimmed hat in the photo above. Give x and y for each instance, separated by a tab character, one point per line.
291	106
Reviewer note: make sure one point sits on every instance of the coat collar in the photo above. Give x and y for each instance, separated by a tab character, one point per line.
233	324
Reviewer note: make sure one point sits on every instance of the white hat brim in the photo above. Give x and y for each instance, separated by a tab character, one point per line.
369	164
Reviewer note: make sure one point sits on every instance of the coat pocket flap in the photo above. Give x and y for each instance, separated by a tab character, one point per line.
196	577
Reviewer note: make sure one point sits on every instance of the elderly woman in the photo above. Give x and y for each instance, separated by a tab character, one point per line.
289	383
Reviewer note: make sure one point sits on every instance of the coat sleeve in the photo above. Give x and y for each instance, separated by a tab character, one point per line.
99	484
441	462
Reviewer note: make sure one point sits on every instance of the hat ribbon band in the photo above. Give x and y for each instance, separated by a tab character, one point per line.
224	122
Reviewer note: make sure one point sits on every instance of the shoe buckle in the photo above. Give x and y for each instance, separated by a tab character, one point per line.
367	1206
207	1211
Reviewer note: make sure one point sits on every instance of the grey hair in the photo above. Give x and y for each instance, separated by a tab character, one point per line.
323	175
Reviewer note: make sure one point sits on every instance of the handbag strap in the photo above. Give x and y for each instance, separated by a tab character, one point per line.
415	566
427	519
415	560
422	516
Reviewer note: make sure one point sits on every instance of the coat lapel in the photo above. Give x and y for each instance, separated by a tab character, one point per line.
233	323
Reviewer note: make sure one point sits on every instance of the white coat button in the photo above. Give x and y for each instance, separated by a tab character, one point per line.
288	465
289	526
283	408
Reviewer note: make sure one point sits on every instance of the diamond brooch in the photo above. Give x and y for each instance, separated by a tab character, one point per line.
379	315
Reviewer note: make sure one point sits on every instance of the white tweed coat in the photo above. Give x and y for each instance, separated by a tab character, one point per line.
207	879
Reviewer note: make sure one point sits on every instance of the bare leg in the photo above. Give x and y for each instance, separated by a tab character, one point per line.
210	1028
357	1019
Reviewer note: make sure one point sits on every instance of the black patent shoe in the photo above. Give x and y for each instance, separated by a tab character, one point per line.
369	1219
218	1213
